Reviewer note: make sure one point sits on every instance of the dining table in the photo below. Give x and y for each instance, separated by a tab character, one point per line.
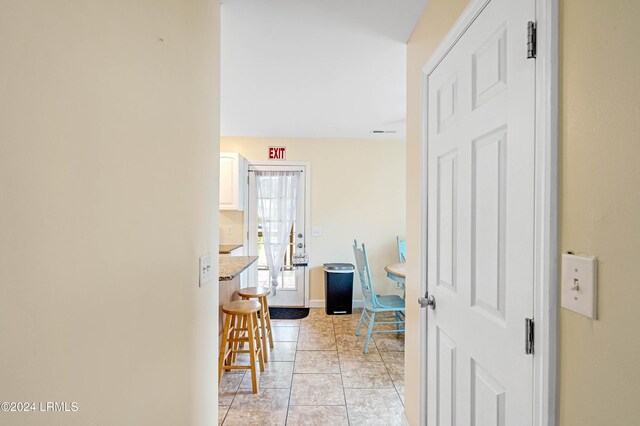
397	272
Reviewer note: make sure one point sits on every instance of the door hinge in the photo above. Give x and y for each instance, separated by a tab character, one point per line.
528	332
531	40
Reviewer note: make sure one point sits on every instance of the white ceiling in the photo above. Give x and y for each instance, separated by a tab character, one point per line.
315	68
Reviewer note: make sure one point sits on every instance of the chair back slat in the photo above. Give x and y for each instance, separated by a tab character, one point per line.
364	273
402	250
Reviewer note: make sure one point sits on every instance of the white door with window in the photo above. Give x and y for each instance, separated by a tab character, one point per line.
291	281
480	149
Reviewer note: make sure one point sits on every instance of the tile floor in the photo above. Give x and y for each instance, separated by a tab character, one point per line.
318	375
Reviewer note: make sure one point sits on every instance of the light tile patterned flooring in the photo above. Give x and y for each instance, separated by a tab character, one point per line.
318	375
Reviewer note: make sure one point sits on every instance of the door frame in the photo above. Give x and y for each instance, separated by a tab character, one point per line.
546	203
307	211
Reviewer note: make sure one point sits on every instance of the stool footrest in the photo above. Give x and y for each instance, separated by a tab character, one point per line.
236	367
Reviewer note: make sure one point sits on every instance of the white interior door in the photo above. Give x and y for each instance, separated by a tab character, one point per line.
481	223
291	283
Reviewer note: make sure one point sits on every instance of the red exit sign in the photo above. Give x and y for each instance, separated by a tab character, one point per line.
277	153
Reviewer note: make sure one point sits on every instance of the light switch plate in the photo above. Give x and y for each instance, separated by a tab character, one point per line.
579	284
206	269
316	232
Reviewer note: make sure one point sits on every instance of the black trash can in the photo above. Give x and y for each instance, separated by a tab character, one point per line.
338	286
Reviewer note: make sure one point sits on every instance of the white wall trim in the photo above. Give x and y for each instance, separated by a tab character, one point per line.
546	215
316	303
457	30
319	303
546	204
422	235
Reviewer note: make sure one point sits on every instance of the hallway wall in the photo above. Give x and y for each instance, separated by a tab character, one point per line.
599	381
599	373
108	168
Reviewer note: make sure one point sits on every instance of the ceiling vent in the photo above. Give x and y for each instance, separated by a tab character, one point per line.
378	132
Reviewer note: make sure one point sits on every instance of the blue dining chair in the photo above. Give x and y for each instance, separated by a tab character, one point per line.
402	250
377	309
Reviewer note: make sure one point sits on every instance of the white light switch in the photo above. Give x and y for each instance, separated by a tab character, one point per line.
316	232
206	269
579	284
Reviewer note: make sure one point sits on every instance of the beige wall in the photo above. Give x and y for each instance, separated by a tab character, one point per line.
600	207
108	163
599	372
357	191
231	227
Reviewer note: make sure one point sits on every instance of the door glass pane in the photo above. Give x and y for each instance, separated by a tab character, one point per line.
287	278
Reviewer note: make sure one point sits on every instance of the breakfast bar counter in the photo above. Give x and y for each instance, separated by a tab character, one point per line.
229	281
232	266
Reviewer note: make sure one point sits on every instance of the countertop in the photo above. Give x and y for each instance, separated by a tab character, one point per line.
232	266
228	248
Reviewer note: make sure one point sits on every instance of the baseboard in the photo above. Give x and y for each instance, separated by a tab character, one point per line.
316	303
319	303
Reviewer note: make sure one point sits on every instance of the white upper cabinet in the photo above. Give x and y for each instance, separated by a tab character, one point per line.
233	178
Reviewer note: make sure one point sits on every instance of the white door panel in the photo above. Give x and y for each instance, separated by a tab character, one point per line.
481	222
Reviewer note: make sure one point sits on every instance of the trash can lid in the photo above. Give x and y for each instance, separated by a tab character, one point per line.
339	267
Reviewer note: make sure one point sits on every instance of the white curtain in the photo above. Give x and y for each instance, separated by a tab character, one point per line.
277	200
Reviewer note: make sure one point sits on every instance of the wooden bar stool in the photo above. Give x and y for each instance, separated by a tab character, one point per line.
261	294
240	326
